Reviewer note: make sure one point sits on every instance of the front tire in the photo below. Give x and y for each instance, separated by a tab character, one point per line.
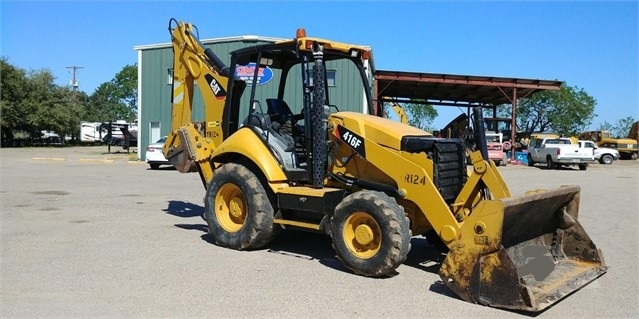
237	209
371	234
606	159
154	166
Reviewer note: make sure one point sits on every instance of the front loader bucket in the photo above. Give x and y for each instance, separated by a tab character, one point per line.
523	253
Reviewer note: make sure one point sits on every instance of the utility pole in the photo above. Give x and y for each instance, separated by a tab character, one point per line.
74	83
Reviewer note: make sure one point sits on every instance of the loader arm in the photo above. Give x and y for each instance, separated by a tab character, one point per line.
495	240
189	146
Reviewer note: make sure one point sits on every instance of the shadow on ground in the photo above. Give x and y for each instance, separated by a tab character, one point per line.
314	246
184	209
162	168
187	210
424	256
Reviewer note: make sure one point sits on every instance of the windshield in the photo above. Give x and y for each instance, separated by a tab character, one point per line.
492	138
282	75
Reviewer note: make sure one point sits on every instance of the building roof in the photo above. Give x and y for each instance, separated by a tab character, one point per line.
211	41
456	90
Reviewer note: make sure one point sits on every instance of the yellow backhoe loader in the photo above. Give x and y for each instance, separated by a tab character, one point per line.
368	182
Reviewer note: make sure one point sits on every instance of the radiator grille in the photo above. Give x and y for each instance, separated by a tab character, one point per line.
449	161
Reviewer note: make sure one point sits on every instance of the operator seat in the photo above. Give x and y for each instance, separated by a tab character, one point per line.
281	144
279	111
285	122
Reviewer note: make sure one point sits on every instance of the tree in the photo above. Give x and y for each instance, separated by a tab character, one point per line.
56	108
501	111
116	99
419	115
567	111
622	127
605	126
13	107
105	107
31	102
126	86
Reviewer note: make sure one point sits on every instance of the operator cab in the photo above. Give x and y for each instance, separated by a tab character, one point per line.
279	92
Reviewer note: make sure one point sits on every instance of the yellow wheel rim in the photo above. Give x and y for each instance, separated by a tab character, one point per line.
362	235
230	207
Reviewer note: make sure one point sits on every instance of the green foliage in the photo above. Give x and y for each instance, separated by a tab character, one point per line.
567	111
420	115
125	86
605	126
502	111
104	105
31	102
14	105
622	127
116	99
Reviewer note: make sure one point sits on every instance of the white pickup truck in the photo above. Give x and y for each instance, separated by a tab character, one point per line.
558	152
604	155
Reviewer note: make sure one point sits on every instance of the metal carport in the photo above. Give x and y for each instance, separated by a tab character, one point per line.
456	90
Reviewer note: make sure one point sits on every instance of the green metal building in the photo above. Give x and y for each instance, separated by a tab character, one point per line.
155	77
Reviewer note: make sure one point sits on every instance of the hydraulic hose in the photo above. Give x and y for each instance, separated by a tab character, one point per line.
480	132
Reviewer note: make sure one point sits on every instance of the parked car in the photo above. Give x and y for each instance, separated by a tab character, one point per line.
558	152
604	155
154	156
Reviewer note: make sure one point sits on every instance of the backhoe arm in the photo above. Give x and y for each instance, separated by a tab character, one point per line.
399	110
189	146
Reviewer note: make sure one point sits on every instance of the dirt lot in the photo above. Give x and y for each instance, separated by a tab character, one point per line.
89	234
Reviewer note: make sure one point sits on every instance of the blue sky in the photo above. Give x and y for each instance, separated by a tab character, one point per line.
590	45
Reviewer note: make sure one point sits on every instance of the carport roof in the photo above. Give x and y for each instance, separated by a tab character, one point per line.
456	90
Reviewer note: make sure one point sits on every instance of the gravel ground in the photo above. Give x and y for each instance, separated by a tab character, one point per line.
90	234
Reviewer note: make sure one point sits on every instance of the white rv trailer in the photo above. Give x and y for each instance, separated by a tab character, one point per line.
90	132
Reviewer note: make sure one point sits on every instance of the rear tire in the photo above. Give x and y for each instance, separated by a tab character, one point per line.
154	166
583	167
606	159
371	234
549	163
237	209
530	161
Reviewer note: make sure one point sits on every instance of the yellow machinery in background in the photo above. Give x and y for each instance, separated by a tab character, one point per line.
634	132
627	147
368	182
400	112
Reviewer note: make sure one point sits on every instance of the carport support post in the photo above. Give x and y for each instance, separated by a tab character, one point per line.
513	123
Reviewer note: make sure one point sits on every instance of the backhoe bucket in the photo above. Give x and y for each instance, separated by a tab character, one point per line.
182	154
524	253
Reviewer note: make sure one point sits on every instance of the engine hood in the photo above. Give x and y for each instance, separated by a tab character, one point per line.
380	130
